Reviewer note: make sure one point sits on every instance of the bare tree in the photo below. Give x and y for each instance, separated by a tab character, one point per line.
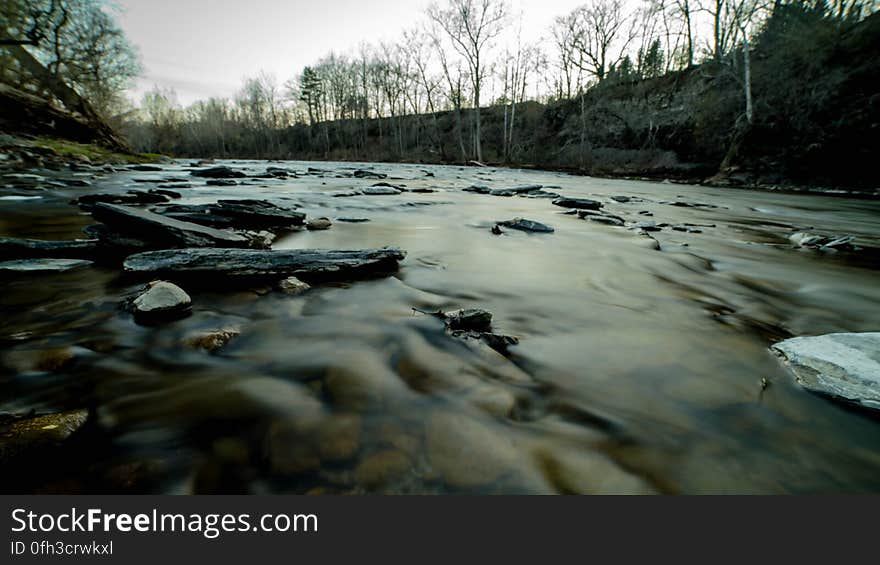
517	65
471	25
602	35
728	18
569	59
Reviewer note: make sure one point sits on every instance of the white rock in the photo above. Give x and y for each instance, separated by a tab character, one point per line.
162	297
842	365
292	285
804	239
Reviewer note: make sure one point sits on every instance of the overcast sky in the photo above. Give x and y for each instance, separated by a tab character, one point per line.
204	48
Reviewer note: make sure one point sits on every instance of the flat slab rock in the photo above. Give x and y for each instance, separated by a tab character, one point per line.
845	366
242	214
12	248
221	172
152	227
523	224
578	203
266	263
42	265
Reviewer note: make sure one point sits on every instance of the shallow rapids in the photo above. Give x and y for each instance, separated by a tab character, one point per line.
637	370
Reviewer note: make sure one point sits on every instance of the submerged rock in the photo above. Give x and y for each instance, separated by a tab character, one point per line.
620	198
845	366
648	242
578	203
211	340
161	300
221	182
523	224
45	265
465	452
498	342
603	219
37	433
381	468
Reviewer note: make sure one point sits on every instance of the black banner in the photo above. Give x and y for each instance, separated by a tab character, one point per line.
229	529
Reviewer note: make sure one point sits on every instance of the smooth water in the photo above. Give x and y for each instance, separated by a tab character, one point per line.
637	370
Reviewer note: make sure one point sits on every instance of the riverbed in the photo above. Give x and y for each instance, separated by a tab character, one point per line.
637	370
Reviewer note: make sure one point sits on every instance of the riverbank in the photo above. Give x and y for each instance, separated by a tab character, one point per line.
20	153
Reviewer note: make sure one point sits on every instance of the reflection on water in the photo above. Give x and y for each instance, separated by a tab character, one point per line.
637	371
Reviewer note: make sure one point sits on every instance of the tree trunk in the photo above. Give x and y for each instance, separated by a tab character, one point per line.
477	142
104	134
747	71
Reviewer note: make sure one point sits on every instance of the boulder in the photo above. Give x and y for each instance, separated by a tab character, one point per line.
152	227
578	203
252	263
845	366
161	300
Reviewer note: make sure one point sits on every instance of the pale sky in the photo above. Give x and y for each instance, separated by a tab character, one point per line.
204	48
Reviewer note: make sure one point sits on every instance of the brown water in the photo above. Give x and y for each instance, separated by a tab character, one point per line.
637	370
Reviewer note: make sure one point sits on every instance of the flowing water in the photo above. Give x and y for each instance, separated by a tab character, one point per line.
637	370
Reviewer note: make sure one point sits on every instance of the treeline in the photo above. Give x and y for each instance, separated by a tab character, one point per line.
465	85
